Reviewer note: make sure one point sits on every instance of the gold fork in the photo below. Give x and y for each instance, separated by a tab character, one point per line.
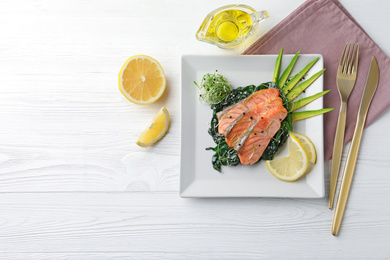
346	77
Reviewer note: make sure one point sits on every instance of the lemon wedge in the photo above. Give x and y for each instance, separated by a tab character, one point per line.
293	166
142	80
155	130
308	146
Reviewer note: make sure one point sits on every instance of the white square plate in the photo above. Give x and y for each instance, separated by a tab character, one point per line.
197	176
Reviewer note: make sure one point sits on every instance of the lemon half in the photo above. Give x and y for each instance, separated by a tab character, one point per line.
142	80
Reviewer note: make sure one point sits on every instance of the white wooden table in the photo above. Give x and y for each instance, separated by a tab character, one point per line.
73	184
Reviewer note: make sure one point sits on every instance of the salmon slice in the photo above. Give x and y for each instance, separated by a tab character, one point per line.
261	97
238	130
250	124
220	114
255	145
230	117
261	135
241	143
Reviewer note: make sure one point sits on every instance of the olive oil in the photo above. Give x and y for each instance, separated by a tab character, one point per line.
229	26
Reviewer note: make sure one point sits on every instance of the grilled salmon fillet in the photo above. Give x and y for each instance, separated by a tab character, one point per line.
249	125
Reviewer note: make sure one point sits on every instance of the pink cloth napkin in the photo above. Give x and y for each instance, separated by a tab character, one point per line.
324	27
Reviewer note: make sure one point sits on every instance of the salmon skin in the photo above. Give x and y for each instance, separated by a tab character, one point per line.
249	125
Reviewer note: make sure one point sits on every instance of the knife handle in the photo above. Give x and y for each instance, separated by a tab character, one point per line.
348	175
337	151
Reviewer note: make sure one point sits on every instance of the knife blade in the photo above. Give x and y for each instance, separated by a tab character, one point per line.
369	91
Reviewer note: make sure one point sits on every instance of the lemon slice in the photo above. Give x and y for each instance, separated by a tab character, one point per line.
293	166
142	80
155	130
308	146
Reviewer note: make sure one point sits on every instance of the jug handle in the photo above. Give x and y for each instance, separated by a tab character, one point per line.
259	16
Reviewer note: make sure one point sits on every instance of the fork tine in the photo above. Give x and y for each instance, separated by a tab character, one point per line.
347	59
355	64
342	57
352	60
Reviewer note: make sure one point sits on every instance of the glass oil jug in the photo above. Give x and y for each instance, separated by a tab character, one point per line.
230	25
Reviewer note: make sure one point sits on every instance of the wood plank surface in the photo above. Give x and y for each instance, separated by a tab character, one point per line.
66	127
73	183
149	225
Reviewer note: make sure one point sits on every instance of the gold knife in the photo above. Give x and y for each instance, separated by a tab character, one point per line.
371	84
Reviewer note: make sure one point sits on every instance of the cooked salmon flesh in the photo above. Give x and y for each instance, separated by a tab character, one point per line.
249	125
